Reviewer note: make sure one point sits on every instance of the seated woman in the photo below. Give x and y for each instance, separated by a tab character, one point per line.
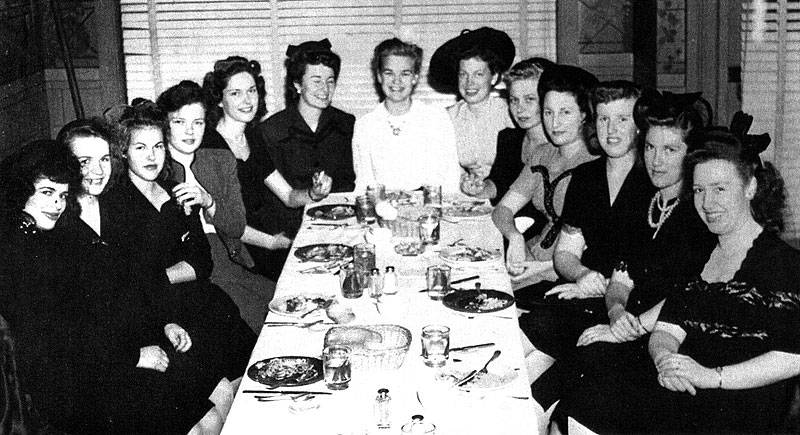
310	136
207	177
603	222
562	93
236	94
119	307
79	340
471	64
166	239
679	245
403	144
725	346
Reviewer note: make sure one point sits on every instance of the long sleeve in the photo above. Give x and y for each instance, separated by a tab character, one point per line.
445	168
362	163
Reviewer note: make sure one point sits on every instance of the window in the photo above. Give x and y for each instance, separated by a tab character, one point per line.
165	41
771	88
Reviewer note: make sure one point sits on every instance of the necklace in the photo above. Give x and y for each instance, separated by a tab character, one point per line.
396	129
664	210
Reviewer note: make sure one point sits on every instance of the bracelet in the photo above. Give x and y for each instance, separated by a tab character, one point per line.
718	369
308	191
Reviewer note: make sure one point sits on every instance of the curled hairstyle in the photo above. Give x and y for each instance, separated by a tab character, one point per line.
303	55
606	92
683	112
92	128
183	94
143	115
720	144
579	83
393	47
216	81
528	69
36	160
491	58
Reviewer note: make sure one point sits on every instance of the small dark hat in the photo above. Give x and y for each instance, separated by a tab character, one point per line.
443	69
314	46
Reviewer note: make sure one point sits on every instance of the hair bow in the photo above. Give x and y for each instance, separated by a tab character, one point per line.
754	143
322	45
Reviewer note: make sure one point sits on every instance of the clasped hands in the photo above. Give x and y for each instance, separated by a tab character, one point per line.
191	194
155	358
473	182
321	185
681	373
591	284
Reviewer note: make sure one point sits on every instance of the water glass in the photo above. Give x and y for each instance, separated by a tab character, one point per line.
376	193
432	195
364	256
365	210
438	279
435	345
429	227
336	364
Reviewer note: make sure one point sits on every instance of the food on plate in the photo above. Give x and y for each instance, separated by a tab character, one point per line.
299	304
478	301
473	209
484	302
324	252
284	371
399	196
332	212
469	253
409	248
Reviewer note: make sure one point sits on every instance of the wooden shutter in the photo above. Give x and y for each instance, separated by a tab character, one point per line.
771	88
165	41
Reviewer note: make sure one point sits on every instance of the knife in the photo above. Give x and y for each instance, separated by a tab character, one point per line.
467	378
471	347
458	281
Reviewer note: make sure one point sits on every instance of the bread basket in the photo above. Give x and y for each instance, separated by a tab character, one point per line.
373	347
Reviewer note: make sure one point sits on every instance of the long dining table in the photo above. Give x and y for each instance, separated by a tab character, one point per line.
414	388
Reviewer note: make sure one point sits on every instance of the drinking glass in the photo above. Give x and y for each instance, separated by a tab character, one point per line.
336	364
435	345
376	193
432	195
438	279
429	227
350	282
365	210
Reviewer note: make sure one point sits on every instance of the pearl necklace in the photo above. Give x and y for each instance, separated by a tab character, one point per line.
664	212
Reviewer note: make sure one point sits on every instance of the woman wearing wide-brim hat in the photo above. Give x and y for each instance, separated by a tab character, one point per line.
471	64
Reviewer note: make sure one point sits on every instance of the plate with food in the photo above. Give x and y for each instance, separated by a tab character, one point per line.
497	376
297	305
400	197
286	371
324	252
332	212
469	254
477	301
409	248
467	209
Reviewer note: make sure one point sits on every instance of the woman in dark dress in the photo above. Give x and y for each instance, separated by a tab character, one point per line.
726	346
166	371
166	238
603	222
679	245
236	92
310	136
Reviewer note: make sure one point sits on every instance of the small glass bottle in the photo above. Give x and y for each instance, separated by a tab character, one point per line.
382	409
389	281
376	283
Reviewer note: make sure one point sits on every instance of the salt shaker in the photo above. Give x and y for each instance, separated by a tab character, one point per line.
389	281
383	409
376	283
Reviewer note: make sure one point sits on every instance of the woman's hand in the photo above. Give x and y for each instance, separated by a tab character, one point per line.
189	195
280	241
320	186
516	254
677	384
590	285
178	337
154	358
472	184
596	334
624	325
685	367
479	170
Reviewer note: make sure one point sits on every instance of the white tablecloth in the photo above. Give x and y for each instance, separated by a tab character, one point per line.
414	388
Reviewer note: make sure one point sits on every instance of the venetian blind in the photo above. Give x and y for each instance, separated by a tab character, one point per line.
165	41
771	88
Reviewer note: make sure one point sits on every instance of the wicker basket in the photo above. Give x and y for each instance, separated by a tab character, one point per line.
373	346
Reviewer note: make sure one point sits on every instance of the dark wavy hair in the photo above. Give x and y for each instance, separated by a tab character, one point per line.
613	90
296	63
393	47
216	81
145	114
92	128
579	83
184	93
34	161
491	58
720	144
683	112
